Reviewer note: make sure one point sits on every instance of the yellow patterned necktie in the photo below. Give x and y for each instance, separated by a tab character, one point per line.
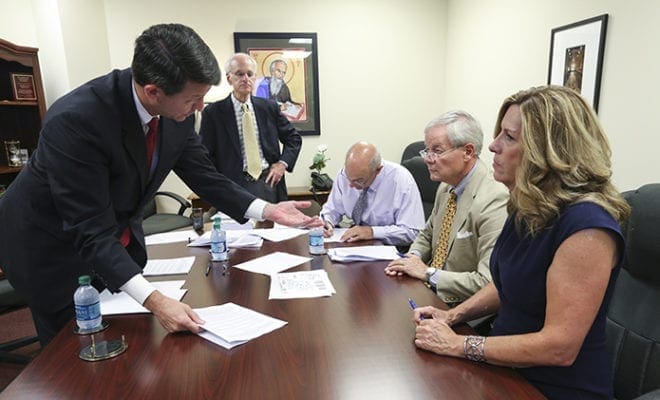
252	157
440	255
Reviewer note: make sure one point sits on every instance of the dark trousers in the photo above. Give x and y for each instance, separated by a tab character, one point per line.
263	190
49	324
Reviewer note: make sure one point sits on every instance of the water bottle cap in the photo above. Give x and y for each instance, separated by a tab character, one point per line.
84	280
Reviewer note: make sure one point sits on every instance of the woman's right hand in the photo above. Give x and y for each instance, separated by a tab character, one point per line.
431	312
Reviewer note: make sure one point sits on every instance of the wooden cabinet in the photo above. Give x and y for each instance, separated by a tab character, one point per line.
20	118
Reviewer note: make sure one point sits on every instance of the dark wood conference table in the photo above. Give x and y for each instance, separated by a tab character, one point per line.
356	344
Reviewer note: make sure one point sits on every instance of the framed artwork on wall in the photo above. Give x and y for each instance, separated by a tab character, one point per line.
576	57
287	72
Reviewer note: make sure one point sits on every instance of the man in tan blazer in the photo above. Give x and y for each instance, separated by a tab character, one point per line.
453	143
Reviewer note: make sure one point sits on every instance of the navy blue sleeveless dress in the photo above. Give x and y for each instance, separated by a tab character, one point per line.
519	265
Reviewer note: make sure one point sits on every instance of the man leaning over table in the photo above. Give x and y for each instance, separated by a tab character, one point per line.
380	197
456	267
104	150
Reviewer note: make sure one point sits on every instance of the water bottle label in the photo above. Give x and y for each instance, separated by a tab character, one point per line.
218	247
315	240
88	312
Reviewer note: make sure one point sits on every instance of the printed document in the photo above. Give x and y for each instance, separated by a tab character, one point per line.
363	253
169	266
230	325
302	284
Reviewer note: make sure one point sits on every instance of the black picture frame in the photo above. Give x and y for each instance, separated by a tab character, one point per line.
576	56
299	51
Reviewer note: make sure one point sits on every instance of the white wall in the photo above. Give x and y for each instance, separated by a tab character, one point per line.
497	47
380	62
385	67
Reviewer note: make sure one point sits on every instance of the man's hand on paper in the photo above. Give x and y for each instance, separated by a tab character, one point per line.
410	265
287	213
357	233
173	315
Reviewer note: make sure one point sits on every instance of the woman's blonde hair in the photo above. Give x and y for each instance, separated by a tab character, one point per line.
565	158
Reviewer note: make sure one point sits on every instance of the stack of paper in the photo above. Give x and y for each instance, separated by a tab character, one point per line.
122	303
363	253
303	284
170	237
170	266
230	325
235	239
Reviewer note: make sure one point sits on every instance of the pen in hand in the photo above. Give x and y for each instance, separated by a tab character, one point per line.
413	306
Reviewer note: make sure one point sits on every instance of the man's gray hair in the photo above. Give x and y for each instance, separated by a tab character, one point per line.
228	69
462	129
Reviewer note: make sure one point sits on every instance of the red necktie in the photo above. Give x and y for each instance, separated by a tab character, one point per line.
151	137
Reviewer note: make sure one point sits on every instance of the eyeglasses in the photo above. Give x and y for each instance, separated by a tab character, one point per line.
434	154
360	182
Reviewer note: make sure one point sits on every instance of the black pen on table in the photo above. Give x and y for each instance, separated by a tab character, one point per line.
208	269
413	306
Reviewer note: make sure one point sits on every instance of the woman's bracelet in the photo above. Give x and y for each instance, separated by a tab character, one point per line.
473	348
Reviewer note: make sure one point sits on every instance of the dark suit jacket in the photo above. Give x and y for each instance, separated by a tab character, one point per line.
86	182
219	132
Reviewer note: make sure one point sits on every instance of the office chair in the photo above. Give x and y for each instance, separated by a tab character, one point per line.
427	187
412	150
10	300
633	326
155	222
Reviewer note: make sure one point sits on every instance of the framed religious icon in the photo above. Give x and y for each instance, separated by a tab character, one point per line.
576	57
287	72
23	87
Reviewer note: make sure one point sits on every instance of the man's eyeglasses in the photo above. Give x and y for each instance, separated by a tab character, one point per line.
434	154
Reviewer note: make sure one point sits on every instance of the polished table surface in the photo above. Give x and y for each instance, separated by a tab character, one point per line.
356	344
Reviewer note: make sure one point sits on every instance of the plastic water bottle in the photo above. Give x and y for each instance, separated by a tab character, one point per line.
218	241
316	241
88	304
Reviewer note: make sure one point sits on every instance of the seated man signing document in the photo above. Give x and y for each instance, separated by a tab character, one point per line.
380	197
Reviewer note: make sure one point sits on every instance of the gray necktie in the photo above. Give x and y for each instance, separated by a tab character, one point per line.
359	207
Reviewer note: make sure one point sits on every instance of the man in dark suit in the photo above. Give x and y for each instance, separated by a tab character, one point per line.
104	150
223	133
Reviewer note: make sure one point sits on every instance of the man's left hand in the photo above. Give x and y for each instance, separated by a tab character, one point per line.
287	213
275	174
357	233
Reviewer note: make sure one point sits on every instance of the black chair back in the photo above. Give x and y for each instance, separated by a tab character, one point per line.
633	323
412	150
427	187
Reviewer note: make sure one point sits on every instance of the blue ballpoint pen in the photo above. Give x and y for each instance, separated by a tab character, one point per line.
413	306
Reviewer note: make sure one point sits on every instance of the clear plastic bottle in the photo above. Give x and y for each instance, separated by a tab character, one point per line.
218	241
316	241
87	303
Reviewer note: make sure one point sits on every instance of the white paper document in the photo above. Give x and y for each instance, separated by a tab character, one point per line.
235	239
122	303
363	253
336	235
230	325
169	266
170	237
272	263
302	284
280	234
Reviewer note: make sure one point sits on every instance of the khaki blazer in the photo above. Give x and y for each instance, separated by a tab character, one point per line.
480	215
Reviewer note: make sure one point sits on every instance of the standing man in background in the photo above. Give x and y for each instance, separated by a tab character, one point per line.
104	150
243	135
380	197
452	253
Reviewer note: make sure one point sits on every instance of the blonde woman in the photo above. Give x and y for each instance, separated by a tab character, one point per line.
557	258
